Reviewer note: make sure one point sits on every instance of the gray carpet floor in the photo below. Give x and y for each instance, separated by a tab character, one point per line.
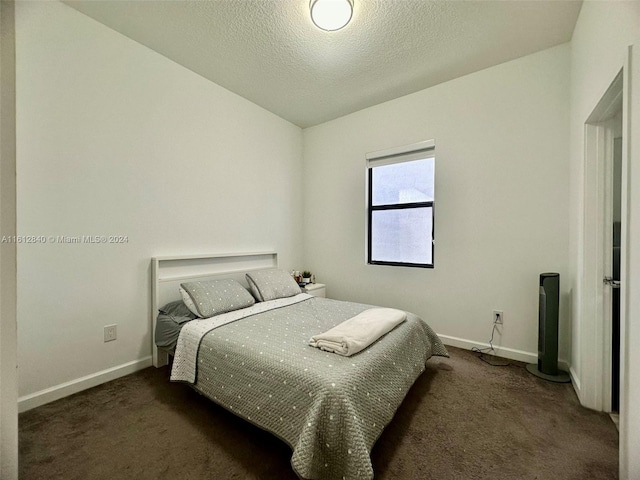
463	420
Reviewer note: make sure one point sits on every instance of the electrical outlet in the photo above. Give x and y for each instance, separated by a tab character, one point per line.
110	333
498	317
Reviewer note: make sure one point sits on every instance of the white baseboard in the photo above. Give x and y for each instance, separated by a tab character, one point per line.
57	392
575	381
510	353
504	352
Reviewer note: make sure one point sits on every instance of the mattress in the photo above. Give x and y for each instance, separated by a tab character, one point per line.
330	409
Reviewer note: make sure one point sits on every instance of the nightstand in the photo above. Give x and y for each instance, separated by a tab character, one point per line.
316	289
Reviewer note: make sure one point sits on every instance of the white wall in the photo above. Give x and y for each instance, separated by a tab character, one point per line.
598	51
8	344
114	139
502	203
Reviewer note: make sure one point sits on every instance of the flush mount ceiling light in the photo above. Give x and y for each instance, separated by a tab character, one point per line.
331	15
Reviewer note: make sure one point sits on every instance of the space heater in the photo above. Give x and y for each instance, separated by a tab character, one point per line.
548	310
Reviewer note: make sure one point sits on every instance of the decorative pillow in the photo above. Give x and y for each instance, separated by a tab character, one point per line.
215	297
271	284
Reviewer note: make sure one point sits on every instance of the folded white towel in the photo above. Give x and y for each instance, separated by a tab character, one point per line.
357	333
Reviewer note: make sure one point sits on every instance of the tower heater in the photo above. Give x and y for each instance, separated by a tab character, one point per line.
548	309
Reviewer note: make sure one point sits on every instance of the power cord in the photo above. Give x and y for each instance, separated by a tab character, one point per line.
483	352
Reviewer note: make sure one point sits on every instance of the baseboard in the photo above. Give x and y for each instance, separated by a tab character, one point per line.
511	354
504	352
57	392
575	381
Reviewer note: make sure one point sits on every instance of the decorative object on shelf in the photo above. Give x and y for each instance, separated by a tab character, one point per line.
304	277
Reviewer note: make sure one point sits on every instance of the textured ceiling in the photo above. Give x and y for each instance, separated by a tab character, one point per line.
269	51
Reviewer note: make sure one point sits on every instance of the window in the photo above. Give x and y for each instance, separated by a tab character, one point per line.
400	206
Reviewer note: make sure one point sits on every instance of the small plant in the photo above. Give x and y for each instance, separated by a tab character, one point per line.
306	274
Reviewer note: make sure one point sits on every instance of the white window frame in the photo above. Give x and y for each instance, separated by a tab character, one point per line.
416	151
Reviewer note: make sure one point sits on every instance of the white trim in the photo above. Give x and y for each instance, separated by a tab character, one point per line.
575	380
57	392
504	352
209	255
596	333
593	262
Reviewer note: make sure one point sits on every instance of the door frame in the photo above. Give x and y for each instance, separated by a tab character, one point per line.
596	324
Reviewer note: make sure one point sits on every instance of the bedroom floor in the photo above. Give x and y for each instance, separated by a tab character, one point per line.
463	420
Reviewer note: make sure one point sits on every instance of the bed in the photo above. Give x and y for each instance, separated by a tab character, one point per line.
257	363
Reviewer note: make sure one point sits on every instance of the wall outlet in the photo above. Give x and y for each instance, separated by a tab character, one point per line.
110	333
498	317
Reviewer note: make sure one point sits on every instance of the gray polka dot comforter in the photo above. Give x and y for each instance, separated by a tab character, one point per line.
330	409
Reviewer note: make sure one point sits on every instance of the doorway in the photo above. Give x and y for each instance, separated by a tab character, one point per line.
604	246
615	257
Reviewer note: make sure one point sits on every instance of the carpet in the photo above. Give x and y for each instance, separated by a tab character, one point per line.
462	420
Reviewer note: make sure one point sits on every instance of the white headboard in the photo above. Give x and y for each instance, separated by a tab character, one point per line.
167	273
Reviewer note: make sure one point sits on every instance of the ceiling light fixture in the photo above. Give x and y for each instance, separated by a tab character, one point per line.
331	15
